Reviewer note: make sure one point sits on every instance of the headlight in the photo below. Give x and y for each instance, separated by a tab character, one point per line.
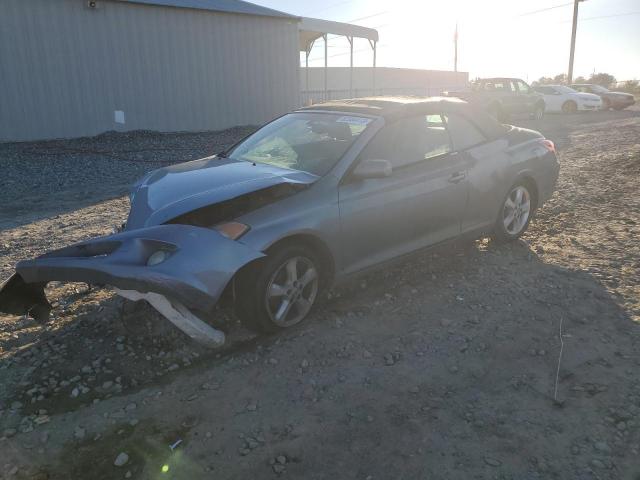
157	257
232	230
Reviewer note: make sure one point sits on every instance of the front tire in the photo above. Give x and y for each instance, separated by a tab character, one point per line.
280	291
538	112
516	213
569	107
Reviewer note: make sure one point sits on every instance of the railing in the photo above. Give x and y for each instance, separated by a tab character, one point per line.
310	97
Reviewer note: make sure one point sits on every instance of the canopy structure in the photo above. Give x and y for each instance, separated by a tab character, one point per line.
312	29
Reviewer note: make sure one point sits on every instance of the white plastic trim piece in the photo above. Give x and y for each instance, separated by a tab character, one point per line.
180	316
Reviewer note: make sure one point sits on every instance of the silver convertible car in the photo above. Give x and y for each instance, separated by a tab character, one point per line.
308	199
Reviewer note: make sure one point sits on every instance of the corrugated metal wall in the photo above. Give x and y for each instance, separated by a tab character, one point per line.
65	68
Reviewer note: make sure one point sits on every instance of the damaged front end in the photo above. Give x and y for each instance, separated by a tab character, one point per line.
177	268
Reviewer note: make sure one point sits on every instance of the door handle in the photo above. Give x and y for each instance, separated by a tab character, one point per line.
457	177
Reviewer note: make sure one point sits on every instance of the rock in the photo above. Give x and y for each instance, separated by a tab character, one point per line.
9	432
121	459
75	392
305	363
279	468
252	407
281	459
389	360
414	390
596	463
445	322
602	447
79	432
492	462
107	385
622	426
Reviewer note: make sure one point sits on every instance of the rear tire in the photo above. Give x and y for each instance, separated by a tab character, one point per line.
515	213
538	112
606	104
569	107
279	291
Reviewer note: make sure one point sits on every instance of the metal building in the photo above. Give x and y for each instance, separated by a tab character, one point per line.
71	68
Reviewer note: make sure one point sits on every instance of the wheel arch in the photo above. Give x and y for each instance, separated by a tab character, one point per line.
316	244
528	179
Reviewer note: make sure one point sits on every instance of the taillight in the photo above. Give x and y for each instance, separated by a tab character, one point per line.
548	144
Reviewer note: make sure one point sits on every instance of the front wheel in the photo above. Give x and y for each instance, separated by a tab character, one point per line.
515	214
280	291
538	112
569	107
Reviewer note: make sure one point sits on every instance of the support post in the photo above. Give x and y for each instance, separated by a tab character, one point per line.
374	45
326	64
351	67
573	40
455	54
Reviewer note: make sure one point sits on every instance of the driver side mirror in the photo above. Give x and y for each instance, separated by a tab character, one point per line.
372	168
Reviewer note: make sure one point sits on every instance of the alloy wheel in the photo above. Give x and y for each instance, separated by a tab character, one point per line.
291	291
516	211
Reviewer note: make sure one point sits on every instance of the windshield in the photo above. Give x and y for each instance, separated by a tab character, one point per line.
598	88
311	142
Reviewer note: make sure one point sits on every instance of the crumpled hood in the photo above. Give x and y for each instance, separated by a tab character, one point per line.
169	192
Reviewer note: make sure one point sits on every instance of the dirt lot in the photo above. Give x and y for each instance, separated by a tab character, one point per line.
443	367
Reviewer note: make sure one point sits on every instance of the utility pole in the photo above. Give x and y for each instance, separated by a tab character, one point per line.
455	53
573	39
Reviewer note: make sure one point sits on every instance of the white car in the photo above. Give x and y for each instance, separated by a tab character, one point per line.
560	98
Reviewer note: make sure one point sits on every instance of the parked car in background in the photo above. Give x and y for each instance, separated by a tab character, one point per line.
502	97
615	100
560	98
312	197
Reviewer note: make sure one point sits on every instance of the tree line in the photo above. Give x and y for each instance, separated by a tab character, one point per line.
604	79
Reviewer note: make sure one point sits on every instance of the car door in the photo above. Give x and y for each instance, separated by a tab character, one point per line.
419	204
508	96
522	96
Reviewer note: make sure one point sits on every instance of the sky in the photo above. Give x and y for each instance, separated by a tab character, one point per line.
517	38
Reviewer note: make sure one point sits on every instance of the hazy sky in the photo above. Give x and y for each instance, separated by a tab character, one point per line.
522	38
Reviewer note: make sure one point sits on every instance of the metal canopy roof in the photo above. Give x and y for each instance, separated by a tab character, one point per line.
312	29
226	6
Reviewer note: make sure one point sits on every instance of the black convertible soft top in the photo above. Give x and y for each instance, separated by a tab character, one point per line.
395	108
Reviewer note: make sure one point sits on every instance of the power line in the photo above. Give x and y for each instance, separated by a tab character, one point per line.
606	16
544	9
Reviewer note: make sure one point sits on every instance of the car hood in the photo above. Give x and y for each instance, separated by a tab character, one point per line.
170	192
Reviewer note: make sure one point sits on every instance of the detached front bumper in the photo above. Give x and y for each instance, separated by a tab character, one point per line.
198	264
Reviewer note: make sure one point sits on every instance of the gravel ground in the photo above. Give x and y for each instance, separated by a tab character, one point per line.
443	367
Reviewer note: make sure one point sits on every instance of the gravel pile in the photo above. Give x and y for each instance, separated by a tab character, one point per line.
53	176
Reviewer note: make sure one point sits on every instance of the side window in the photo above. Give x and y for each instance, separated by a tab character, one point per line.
523	87
409	141
546	90
464	134
511	86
